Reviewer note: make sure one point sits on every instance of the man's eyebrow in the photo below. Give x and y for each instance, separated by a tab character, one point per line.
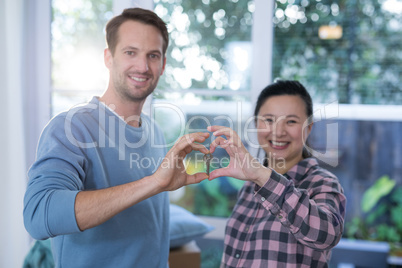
135	48
155	51
129	47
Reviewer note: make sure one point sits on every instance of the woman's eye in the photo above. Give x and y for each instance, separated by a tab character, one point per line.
290	122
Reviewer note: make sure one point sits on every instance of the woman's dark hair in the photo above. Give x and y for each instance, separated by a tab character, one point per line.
136	14
287	87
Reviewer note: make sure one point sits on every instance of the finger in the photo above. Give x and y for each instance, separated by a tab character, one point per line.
217	142
220	172
221	130
228	132
196	147
199	136
197	144
215	128
191	142
204	135
196	178
228	145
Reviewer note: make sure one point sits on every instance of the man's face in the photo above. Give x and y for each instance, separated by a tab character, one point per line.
137	62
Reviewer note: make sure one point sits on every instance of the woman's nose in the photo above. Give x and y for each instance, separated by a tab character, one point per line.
279	128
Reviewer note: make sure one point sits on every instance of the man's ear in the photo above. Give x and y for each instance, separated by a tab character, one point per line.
108	58
164	65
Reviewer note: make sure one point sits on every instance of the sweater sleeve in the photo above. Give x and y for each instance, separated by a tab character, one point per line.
54	181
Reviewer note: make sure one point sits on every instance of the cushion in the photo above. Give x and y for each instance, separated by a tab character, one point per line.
185	226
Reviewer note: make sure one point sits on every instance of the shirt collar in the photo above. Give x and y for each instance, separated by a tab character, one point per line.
298	171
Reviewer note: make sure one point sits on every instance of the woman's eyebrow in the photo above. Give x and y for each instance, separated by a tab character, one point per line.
287	116
292	115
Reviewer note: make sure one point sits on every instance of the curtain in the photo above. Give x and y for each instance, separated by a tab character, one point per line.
14	240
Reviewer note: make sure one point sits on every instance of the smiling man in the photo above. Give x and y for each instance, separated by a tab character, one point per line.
83	192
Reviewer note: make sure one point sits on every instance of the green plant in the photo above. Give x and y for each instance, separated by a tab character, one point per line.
382	218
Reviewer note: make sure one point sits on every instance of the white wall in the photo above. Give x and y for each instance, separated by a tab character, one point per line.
14	240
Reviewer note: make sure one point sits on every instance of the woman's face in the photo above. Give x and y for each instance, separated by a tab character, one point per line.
283	129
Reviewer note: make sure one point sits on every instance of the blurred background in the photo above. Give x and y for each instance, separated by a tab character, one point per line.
221	55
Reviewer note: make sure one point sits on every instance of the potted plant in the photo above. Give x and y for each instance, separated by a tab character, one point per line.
382	218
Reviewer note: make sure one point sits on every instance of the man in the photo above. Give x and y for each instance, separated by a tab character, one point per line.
98	185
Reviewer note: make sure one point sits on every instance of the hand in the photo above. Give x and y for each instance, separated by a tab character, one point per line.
172	174
242	165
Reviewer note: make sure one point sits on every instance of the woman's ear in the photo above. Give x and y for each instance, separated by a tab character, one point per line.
307	127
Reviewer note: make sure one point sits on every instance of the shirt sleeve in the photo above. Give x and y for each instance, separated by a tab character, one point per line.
54	181
313	213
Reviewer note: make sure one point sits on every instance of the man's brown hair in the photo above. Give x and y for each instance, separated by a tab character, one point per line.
137	14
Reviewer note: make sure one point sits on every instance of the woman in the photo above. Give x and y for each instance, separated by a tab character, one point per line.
290	212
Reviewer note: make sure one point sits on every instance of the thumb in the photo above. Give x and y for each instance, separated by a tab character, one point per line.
218	173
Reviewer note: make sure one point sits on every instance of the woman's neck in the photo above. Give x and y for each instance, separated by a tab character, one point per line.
281	165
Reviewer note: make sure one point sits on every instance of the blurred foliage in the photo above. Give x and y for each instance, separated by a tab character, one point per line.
212	198
199	32
364	66
382	220
372	196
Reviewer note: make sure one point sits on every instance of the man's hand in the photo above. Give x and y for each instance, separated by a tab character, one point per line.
172	174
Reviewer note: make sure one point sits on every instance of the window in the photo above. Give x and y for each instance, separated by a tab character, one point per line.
78	41
219	58
345	51
209	55
207	81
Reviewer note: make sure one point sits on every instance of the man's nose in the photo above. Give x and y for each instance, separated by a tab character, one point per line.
142	64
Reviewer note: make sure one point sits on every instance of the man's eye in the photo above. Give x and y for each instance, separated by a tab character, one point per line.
290	122
130	53
154	56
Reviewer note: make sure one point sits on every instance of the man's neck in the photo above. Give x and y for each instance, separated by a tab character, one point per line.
129	111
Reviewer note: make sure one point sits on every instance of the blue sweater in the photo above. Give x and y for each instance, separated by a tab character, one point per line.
87	148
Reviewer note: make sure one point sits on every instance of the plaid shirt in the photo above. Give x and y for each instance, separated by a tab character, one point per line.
292	221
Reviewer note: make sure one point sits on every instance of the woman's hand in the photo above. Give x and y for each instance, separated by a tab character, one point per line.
242	165
172	174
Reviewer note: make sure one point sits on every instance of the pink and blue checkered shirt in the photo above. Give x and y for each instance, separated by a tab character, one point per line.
293	221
